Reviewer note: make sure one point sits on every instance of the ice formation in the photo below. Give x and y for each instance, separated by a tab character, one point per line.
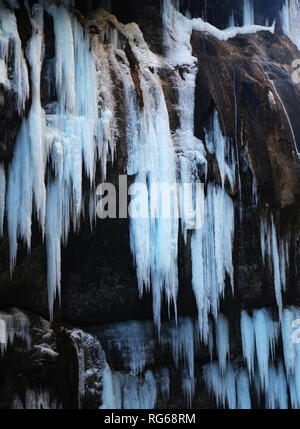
222	341
278	380
91	365
179	29
248	13
233	385
70	135
276	253
66	135
290	17
60	143
135	343
36	399
274	87
2	197
14	324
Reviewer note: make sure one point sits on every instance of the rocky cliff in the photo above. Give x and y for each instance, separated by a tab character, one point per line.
145	314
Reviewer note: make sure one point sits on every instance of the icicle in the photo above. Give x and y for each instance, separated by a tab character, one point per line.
216	143
182	345
223	386
37	399
248	13
248	340
91	365
14	325
266	332
151	158
222	341
26	175
109	395
134	341
9	34
272	83
277	254
2	197
231	22
66	137
276	393
290	16
135	344
163	381
140	393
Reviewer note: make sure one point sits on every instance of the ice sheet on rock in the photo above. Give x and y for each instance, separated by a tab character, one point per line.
110	391
36	399
178	29
276	394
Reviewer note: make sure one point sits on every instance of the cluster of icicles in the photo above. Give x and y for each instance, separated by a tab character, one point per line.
262	381
59	144
275	382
